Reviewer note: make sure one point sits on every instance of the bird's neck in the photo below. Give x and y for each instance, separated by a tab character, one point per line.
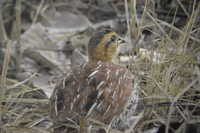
96	60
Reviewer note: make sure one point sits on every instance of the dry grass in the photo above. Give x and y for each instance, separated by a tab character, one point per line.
169	88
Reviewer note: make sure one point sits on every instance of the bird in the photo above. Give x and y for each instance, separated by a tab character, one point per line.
98	89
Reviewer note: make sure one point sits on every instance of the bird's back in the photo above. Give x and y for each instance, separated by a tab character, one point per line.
96	90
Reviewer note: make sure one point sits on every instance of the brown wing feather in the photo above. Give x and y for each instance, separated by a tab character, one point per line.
100	91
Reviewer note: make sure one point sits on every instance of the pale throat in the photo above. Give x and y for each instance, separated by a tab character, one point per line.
100	58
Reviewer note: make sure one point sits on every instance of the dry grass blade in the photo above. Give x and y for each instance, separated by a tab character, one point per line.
171	109
178	30
23	82
128	20
189	27
3	35
5	69
38	11
5	64
17	33
3	78
26	100
183	7
160	28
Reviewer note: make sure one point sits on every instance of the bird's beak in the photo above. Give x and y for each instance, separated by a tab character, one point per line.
121	40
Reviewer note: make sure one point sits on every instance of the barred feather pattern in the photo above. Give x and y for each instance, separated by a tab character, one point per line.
125	120
100	91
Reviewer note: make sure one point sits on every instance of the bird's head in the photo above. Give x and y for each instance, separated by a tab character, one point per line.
103	45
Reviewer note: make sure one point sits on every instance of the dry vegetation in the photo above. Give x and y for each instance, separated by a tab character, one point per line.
168	73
